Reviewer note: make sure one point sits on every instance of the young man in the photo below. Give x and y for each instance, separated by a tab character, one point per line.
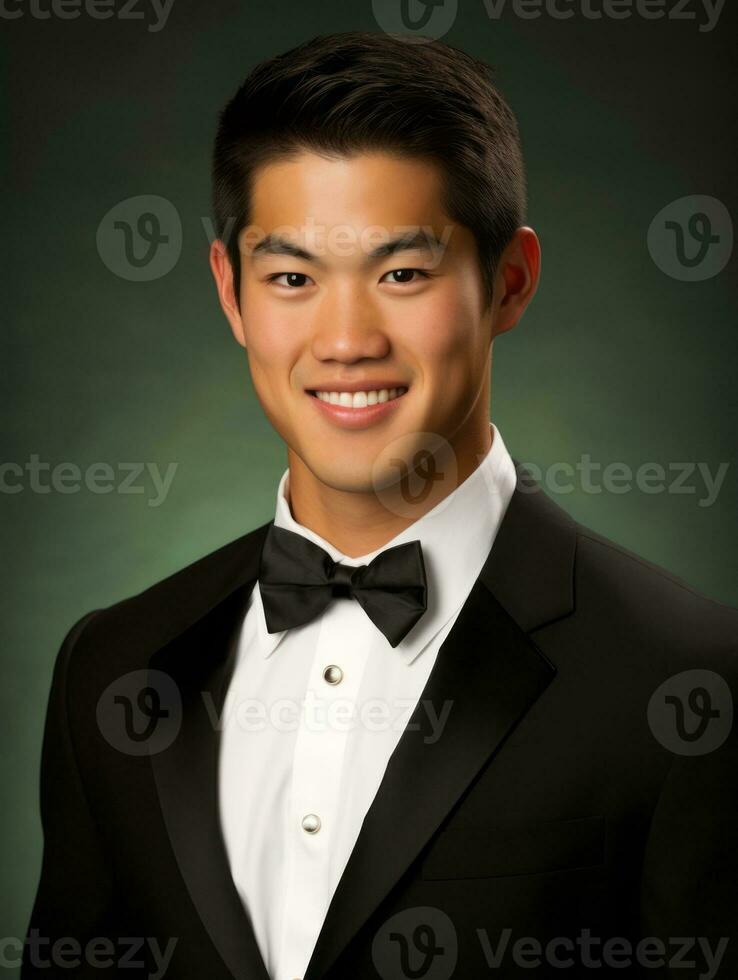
421	723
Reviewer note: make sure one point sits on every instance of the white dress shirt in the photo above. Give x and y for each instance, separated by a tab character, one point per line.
296	747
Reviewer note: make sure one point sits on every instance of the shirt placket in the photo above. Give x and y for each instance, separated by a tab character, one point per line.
327	719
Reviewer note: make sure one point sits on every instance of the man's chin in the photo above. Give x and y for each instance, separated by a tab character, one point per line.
349	477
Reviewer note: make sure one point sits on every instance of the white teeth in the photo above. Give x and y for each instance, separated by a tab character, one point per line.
360	399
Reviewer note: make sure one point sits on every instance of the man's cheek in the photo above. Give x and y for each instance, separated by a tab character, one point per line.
434	342
265	380
439	326
271	346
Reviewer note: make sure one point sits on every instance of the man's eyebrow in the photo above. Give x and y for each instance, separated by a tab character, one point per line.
276	245
414	240
411	240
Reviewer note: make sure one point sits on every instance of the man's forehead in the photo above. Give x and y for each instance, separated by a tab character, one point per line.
373	204
371	186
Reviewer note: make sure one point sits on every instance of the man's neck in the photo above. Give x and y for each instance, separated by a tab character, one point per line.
360	523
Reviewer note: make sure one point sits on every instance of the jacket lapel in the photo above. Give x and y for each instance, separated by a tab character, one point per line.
491	672
200	660
488	668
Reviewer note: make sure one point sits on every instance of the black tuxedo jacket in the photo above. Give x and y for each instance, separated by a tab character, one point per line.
549	815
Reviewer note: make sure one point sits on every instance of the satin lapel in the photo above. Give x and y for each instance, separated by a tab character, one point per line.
200	661
490	673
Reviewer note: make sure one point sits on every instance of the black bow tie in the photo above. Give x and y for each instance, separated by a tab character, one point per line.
297	580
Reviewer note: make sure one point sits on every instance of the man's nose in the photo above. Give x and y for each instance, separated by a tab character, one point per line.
349	327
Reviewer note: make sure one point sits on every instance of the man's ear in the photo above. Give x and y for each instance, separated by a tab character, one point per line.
516	280
222	270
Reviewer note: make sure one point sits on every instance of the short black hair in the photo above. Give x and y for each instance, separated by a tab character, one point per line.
346	93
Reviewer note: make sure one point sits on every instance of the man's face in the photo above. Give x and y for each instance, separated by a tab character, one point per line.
323	308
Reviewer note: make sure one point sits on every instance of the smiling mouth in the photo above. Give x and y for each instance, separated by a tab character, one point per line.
359	399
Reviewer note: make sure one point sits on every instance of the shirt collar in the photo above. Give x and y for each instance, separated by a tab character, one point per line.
454	547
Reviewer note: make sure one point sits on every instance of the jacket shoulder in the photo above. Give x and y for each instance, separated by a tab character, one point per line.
622	587
132	628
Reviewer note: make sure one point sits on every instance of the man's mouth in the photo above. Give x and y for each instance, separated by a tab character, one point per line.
359	399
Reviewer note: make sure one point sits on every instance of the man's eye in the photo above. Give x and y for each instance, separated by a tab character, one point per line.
405	275
294	279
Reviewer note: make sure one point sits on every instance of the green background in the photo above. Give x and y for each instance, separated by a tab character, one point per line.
614	359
